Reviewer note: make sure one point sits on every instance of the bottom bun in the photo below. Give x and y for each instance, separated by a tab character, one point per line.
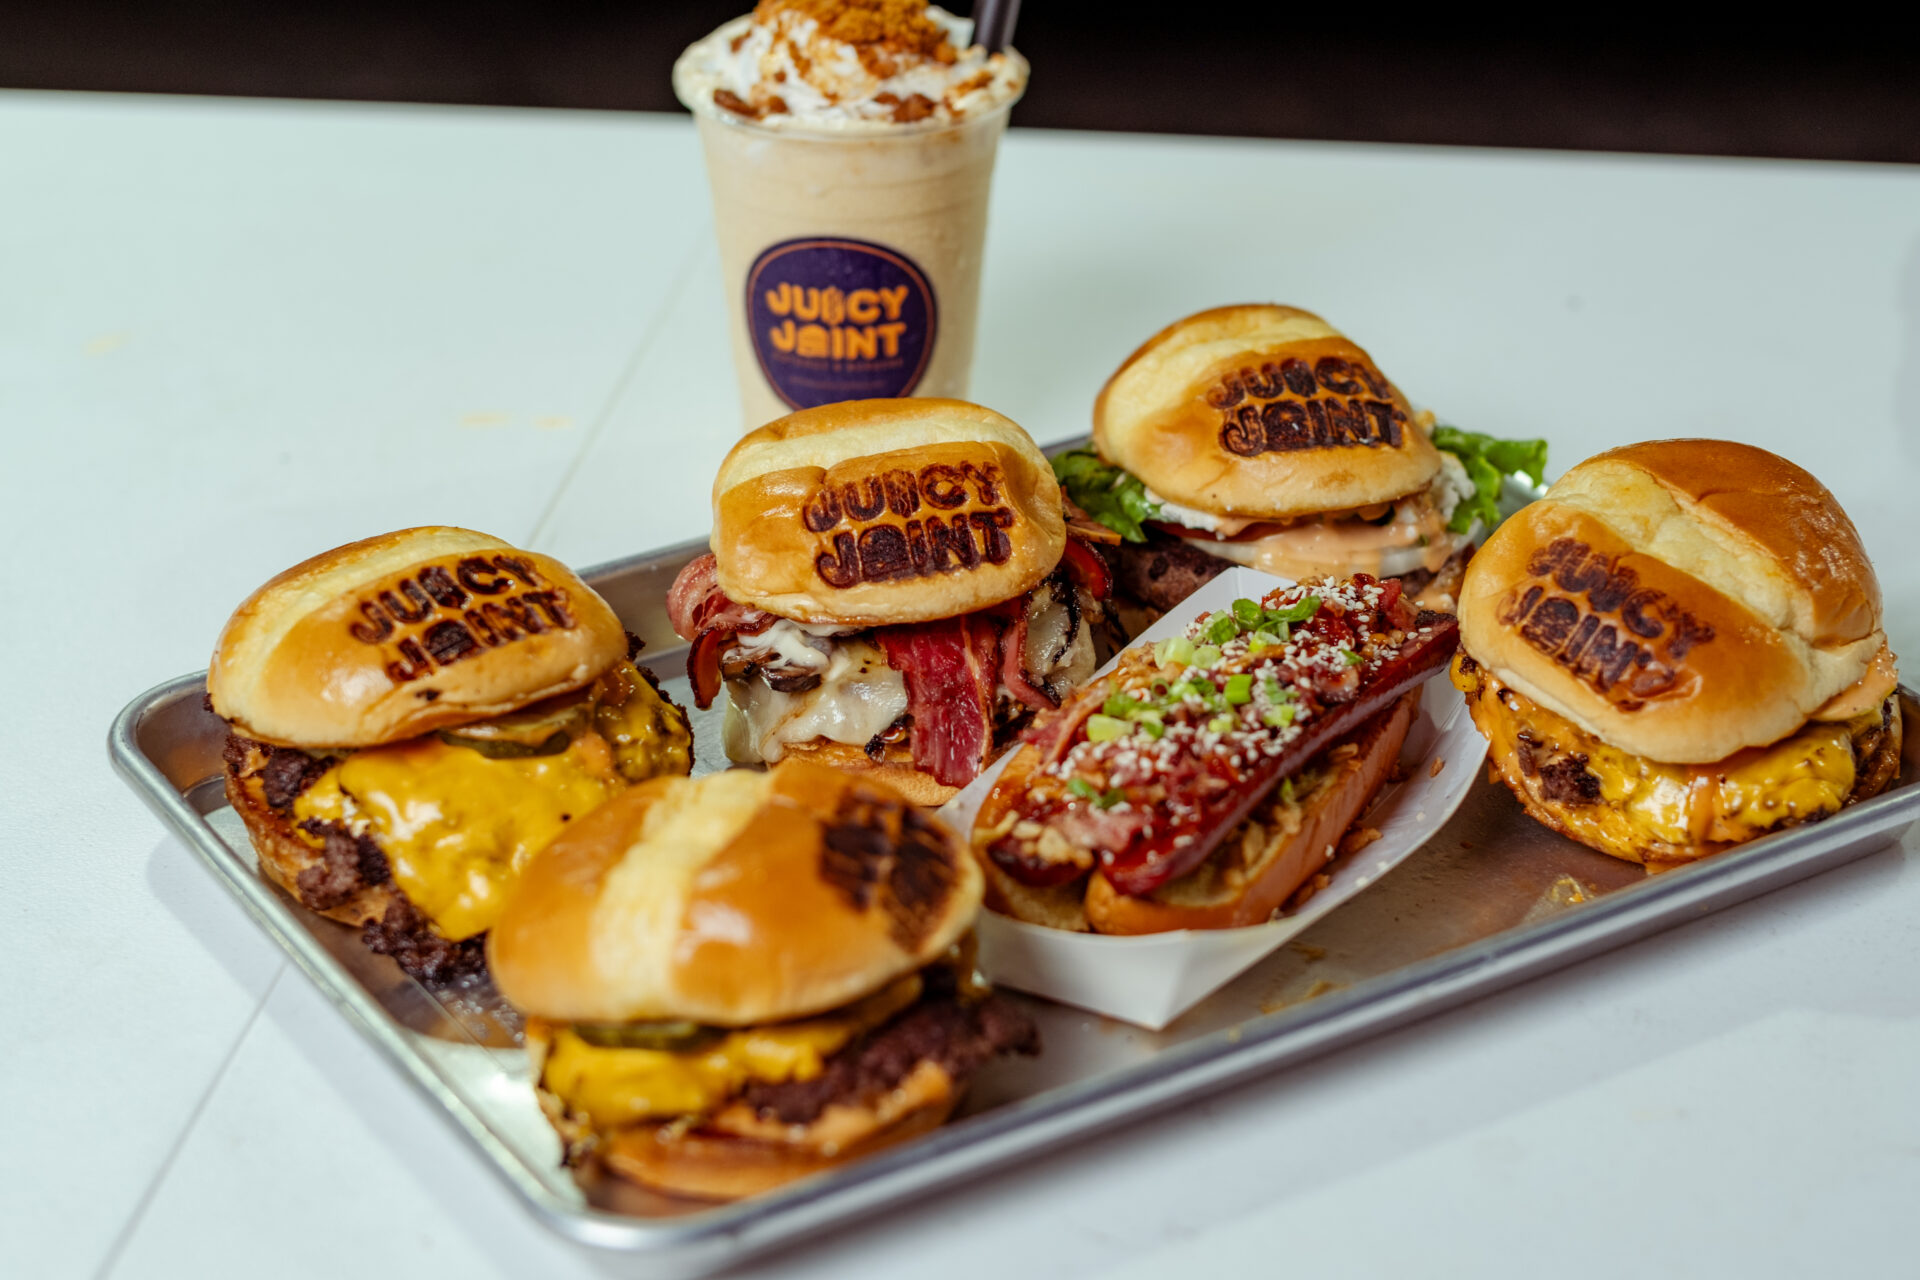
895	768
1274	860
707	1164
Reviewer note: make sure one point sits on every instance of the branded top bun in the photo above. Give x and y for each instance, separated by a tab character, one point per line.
1261	411
885	511
733	899
395	636
1681	599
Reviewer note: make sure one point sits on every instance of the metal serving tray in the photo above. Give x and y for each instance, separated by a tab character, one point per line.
1493	899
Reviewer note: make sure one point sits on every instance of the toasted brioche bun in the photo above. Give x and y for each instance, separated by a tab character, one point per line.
284	855
1204	414
734	899
1280	862
1271	871
1679	600
711	1164
839	514
895	768
396	636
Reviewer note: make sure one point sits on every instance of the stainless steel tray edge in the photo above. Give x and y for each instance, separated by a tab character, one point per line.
1211	1061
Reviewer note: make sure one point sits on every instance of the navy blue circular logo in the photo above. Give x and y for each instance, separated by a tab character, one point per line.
835	319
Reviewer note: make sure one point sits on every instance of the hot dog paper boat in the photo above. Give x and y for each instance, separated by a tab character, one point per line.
1151	979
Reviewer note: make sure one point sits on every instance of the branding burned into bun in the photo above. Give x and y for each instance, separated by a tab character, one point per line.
892	587
1262	436
1679	648
412	717
742	979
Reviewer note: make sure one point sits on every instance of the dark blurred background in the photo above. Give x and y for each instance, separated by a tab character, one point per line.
1819	86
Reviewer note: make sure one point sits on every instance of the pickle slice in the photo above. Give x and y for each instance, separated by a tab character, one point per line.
506	749
677	1037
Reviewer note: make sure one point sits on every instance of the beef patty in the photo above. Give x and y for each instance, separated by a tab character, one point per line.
957	1037
346	864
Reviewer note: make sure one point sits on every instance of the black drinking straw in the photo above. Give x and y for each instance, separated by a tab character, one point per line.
993	23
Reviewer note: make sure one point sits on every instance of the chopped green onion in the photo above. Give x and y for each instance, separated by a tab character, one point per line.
1152	728
1299	612
1286	790
1175	651
1267	639
1206	655
1239	690
1222	723
1111	798
1277	717
1120	703
1106	728
1221	629
1082	788
1351	658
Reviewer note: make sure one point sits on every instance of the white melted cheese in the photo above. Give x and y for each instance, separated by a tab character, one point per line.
1171	512
787	641
860	696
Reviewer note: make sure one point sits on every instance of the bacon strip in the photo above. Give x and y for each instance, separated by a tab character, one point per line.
948	668
1087	567
1138	867
703	614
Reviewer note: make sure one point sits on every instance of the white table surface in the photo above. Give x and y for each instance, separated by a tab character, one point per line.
233	334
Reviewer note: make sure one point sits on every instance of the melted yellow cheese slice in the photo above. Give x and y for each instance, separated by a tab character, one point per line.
1807	775
614	1087
458	828
649	737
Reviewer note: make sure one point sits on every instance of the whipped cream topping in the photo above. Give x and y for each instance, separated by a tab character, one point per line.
779	68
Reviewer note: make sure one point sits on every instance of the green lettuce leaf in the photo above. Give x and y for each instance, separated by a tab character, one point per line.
1116	498
1488	461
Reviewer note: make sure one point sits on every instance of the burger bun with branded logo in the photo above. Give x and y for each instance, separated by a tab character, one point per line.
1261	435
811	512
808	929
1185	413
893	587
411	717
310	658
1679	648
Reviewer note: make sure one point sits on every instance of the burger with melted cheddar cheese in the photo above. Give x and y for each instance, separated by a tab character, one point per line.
412	717
1261	436
893	588
1679	649
742	979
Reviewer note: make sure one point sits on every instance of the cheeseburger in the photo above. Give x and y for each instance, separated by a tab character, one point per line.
893	588
412	717
1260	436
739	980
1677	649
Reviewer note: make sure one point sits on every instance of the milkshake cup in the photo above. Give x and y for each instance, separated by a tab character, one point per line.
851	219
